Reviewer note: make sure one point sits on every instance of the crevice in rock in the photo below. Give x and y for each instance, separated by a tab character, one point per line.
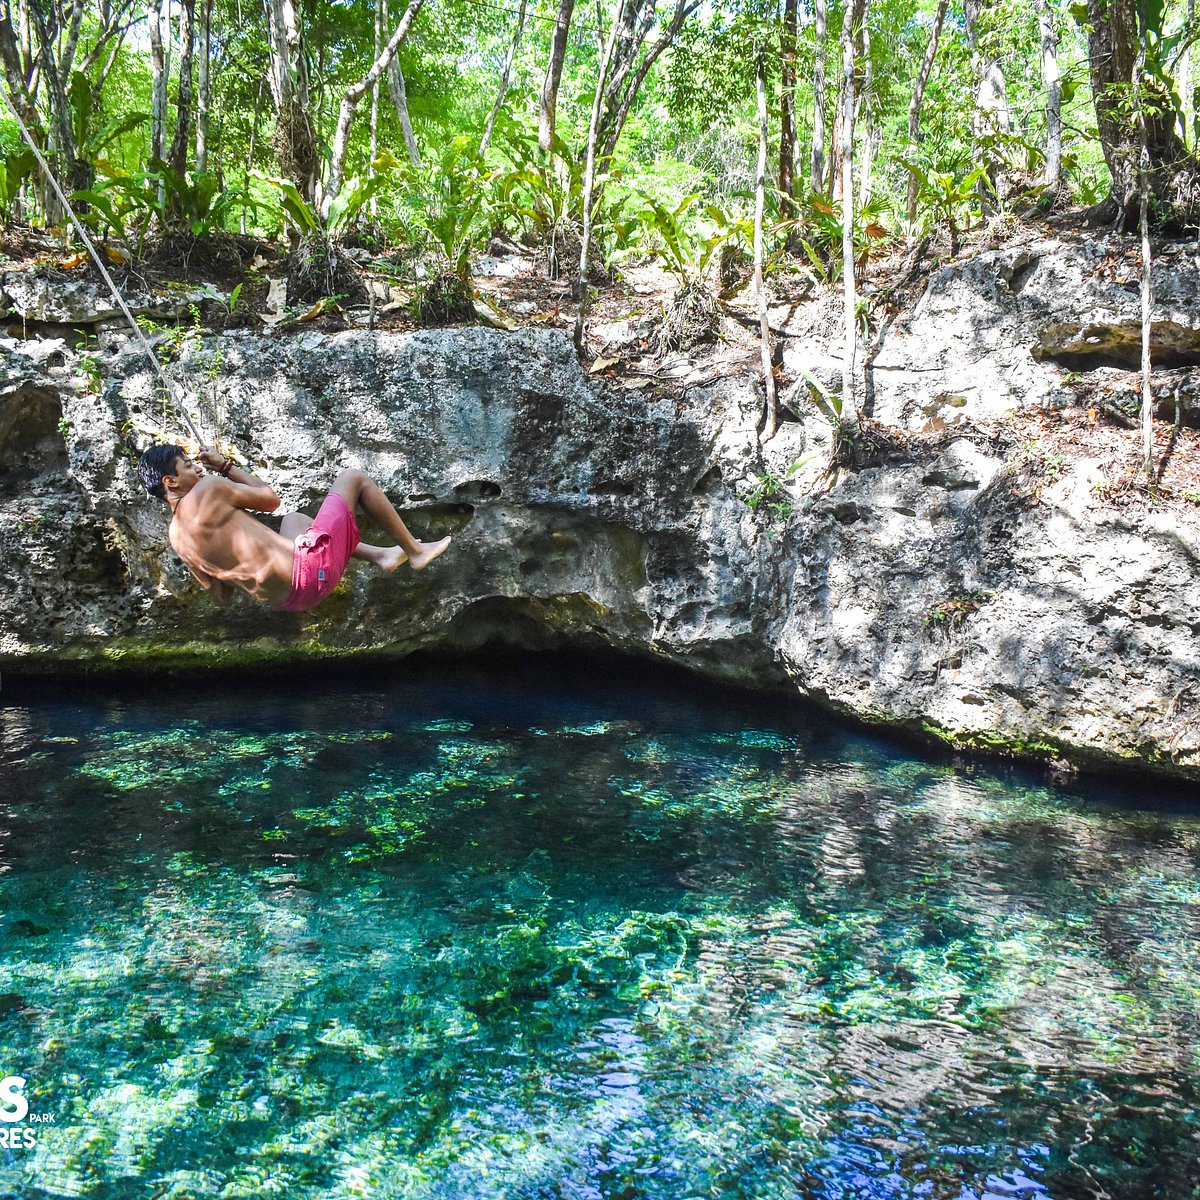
1084	347
477	489
30	441
1022	271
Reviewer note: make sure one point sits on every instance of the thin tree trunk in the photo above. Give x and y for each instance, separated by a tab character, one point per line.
295	140
589	180
204	86
1139	69
177	156
1188	115
787	113
158	78
374	151
262	83
73	171
771	414
914	106
817	171
399	93
504	77
849	298
1053	80
548	103
341	136
624	87
864	105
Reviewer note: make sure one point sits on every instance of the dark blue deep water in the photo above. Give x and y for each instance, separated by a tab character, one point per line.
470	934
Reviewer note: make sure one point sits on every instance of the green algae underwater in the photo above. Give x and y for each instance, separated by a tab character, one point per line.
504	934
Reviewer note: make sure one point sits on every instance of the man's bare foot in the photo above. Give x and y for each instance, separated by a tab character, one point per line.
391	558
427	553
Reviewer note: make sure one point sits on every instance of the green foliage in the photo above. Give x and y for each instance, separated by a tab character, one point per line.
345	209
541	195
123	206
15	169
769	491
817	230
196	200
92	140
951	612
946	197
447	203
128	206
689	236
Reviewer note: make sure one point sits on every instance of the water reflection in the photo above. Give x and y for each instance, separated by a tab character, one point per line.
488	941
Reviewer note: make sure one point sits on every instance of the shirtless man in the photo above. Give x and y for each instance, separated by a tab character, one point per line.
292	570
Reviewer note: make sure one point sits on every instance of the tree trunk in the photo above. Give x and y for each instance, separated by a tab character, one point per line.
771	412
158	81
1053	80
991	108
504	77
590	200
835	141
295	140
855	11
914	106
548	105
1113	44
787	111
864	102
626	81
399	93
204	88
177	157
1139	70
250	149
1188	114
341	136
817	171
374	150
72	171
992	122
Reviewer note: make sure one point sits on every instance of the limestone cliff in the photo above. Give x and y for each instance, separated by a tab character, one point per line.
928	590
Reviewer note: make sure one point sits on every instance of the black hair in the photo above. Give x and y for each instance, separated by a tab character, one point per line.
154	463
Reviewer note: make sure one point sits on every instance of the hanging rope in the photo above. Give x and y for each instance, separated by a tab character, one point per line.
108	279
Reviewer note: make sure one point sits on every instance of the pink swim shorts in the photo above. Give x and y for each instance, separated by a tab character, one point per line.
322	552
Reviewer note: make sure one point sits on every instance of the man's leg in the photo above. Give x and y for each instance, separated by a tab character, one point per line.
358	489
383	557
293	525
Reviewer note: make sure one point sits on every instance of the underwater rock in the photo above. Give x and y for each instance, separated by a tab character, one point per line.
931	596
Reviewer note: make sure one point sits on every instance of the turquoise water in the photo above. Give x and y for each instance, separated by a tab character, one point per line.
508	936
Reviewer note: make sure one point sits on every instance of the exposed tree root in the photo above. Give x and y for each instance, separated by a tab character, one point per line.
318	268
692	318
445	300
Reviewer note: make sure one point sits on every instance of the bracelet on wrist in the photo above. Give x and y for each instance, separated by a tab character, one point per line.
224	471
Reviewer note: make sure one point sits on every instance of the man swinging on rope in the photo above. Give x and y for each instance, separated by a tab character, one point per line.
292	570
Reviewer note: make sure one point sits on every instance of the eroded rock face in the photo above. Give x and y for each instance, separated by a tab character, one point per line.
55	297
925	594
991	333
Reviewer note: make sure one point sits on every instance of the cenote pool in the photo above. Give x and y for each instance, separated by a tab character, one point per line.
500	934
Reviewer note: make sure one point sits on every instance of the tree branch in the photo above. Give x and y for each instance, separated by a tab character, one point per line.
341	137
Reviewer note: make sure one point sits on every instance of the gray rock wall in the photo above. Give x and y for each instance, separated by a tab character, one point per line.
607	519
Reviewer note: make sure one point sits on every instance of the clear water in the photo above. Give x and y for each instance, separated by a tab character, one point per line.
508	937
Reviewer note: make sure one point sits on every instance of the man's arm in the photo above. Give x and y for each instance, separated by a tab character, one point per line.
248	490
